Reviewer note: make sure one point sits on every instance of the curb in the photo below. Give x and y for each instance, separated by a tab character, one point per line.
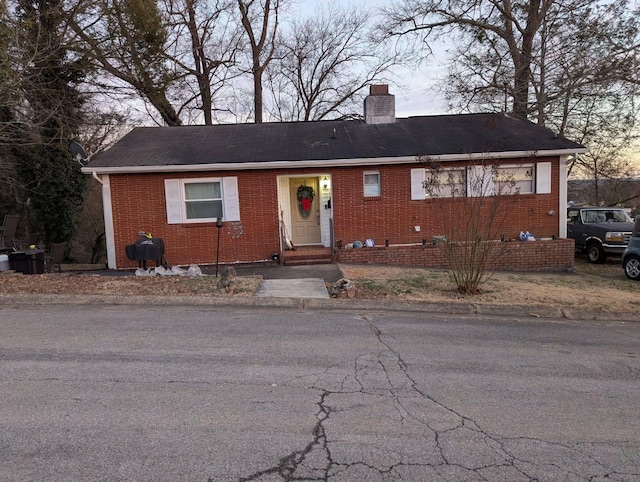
320	304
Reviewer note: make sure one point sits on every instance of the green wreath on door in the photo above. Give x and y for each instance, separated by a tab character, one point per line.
305	197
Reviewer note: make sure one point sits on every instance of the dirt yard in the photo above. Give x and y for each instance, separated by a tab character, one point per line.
601	288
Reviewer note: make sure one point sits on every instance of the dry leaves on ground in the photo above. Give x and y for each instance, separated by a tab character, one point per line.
601	288
92	284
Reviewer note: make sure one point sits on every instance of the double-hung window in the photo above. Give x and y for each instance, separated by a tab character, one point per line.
202	200
371	184
449	182
514	179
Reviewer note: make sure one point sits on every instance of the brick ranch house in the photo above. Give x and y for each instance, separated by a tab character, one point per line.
325	183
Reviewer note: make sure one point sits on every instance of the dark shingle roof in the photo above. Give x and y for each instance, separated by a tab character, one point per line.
328	140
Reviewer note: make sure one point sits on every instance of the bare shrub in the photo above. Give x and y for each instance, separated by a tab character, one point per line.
471	203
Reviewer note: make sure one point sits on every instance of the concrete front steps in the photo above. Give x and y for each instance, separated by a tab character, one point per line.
305	255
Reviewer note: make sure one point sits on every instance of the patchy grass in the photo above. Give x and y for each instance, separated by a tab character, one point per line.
591	287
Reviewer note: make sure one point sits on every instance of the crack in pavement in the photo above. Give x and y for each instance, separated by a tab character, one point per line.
288	465
454	446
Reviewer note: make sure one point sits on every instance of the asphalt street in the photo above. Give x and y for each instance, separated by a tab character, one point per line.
205	393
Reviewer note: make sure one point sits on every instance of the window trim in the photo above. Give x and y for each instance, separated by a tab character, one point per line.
364	184
527	165
185	201
176	206
462	185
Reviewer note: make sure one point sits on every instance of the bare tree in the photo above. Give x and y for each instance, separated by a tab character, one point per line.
260	20
175	55
547	55
472	203
624	192
570	65
205	41
504	29
323	62
605	174
127	39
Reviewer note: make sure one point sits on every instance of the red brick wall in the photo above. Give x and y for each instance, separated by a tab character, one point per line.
393	215
138	203
555	255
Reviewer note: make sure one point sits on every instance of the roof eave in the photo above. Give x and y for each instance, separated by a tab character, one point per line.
378	161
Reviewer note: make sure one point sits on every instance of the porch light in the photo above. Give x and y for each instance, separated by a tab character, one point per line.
325	183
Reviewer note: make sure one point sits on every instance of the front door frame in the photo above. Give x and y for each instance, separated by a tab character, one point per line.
286	204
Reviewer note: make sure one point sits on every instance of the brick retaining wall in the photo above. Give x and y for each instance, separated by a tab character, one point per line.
552	255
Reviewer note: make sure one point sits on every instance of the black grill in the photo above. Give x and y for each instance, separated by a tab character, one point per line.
146	249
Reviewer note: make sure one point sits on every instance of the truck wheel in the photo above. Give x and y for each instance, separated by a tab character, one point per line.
632	267
595	253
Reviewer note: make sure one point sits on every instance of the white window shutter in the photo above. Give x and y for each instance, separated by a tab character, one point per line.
172	199
418	177
543	178
231	199
480	181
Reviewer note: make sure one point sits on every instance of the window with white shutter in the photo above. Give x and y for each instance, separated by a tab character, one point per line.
514	179
202	200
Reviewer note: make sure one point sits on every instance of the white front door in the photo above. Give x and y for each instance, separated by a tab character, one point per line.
305	211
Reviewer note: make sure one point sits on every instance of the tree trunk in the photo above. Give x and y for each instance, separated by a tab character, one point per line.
202	69
159	100
523	61
257	95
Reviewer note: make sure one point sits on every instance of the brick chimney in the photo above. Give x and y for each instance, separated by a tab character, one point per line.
379	105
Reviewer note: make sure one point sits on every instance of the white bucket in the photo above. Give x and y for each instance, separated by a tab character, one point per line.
4	262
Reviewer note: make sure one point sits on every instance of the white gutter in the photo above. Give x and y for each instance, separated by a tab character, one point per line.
323	163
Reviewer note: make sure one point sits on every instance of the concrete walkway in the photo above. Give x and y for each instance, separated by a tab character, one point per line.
307	281
292	288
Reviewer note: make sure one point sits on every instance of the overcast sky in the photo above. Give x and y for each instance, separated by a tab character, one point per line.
415	95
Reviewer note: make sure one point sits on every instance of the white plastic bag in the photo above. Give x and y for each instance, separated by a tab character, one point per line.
194	270
178	271
161	270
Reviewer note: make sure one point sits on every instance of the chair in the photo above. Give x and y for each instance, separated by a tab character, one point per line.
8	232
54	257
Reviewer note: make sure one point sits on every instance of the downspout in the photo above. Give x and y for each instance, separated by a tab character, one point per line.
94	174
562	195
107	210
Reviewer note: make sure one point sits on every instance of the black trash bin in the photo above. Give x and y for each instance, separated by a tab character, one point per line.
27	262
